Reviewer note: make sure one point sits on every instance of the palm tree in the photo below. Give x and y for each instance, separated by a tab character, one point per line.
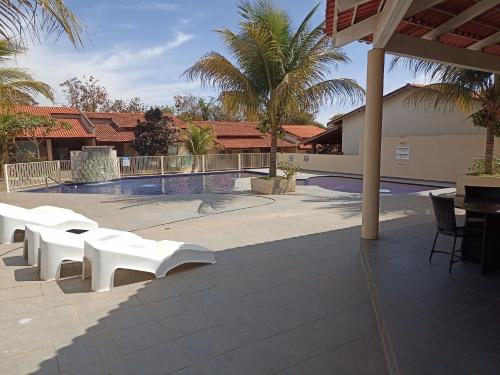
17	86
199	140
474	92
22	18
279	70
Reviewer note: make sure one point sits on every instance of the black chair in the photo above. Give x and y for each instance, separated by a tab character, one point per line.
444	211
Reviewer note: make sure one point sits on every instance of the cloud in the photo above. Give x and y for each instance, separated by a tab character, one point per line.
149	72
155	6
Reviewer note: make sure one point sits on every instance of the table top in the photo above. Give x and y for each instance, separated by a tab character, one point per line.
486	207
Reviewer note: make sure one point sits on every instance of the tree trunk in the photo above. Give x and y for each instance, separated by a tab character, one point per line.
272	156
490	144
491	130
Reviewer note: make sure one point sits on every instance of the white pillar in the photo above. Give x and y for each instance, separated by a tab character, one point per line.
239	162
6	178
372	143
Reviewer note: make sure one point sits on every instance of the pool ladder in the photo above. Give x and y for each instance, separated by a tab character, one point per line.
47	178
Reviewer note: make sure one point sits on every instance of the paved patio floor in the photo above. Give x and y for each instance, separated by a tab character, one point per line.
294	291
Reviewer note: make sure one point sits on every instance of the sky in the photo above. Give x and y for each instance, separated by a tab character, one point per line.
142	47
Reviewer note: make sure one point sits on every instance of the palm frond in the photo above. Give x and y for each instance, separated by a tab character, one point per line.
18	87
444	98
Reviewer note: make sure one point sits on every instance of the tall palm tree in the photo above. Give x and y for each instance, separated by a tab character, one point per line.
17	86
278	69
199	140
29	18
475	93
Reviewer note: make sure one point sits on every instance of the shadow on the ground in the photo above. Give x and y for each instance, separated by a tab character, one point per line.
309	304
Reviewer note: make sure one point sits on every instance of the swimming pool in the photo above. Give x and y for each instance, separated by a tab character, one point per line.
355	185
220	182
156	185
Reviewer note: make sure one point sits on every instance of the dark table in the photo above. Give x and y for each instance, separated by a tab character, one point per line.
489	212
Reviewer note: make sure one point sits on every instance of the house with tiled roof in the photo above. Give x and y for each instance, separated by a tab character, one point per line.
242	137
297	133
85	129
405	128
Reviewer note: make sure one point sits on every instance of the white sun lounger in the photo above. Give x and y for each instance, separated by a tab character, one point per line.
14	218
158	257
56	246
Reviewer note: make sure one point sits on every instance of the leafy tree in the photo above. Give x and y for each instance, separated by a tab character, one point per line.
194	108
452	87
17	86
89	95
334	118
86	95
154	135
38	128
134	105
279	69
302	118
33	128
199	140
21	18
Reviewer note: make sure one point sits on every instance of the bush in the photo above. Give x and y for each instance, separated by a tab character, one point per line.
477	166
289	168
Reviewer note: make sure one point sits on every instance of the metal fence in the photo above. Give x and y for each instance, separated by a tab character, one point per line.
22	175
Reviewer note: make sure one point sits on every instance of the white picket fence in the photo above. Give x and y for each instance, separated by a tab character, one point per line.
23	175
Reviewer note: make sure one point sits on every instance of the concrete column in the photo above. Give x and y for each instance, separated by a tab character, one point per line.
48	146
372	143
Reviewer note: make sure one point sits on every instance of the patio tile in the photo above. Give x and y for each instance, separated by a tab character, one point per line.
156	292
41	362
469	352
117	366
317	365
95	369
159	359
130	317
139	337
204	317
240	361
20	292
80	353
217	340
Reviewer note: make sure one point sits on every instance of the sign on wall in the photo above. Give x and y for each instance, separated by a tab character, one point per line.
125	162
402	153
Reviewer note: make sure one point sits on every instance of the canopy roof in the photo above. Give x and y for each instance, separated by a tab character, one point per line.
464	33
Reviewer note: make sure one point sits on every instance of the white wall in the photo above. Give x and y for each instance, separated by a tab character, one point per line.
400	120
432	158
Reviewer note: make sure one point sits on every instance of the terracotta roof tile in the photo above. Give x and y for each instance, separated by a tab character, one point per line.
68	115
303	131
257	142
105	132
231	129
480	27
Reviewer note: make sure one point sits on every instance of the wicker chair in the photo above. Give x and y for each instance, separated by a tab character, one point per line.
444	211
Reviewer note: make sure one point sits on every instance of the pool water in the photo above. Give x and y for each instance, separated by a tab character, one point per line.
156	185
355	185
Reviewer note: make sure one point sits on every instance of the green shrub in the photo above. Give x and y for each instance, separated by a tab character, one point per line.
289	168
477	166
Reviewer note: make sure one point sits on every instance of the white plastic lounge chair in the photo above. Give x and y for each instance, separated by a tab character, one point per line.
157	257
56	246
13	218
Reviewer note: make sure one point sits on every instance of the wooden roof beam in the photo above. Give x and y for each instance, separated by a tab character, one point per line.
389	18
461	18
430	50
479	45
420	5
342	5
